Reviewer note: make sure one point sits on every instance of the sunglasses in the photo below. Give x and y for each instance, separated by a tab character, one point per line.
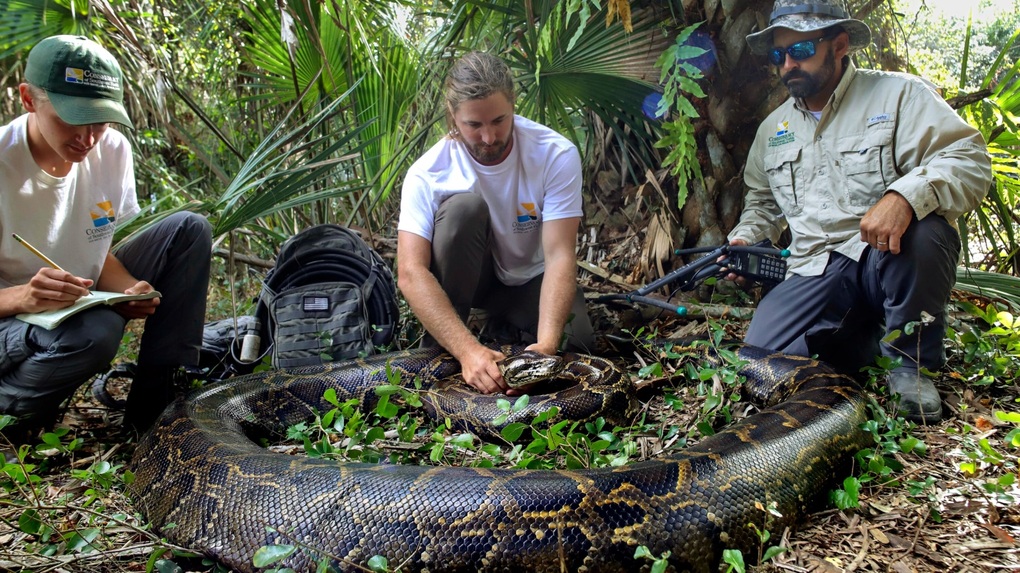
799	51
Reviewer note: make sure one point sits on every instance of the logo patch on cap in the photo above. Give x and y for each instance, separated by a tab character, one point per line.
90	78
74	75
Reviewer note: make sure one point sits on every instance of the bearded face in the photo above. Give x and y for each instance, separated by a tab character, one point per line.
803	84
485	126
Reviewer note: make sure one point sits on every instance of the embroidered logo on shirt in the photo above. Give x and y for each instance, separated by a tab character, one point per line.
104	216
783	135
879	119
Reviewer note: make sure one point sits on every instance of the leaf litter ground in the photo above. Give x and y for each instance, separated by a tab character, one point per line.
949	520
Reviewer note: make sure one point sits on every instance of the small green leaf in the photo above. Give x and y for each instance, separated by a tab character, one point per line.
538	446
330	396
378	563
436	453
327	420
374	434
512	432
1012	417
29	522
735	559
892	336
521	403
81	540
546	415
385	409
772	552
166	566
387	390
463	440
269	554
653	370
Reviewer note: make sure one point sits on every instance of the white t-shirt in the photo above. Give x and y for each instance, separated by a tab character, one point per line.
539	181
69	219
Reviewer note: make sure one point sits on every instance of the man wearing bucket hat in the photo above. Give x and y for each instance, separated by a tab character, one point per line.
68	180
869	171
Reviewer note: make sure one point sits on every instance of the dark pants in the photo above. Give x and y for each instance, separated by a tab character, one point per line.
41	368
462	263
844	314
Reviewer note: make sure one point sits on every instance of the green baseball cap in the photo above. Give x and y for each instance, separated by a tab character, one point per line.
82	80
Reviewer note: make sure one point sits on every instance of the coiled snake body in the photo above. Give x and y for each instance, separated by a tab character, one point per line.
204	484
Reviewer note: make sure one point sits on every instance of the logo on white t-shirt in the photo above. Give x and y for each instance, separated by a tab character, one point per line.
527	218
529	213
103	214
103	219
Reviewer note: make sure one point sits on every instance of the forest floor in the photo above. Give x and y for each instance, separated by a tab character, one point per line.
953	507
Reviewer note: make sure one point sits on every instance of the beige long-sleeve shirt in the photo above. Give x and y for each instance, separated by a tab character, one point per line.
879	132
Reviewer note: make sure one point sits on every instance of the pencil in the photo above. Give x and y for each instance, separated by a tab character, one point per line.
39	254
36	252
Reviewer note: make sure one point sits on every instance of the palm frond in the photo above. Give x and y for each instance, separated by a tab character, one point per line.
602	70
24	22
294	166
995	286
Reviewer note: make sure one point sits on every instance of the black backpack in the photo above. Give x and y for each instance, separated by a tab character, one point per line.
329	297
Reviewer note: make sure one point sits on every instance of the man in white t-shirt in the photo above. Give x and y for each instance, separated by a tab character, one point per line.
488	219
67	180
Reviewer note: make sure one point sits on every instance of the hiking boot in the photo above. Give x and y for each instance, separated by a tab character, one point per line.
919	401
21	432
152	390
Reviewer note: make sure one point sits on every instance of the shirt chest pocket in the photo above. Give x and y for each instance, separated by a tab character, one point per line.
780	167
866	162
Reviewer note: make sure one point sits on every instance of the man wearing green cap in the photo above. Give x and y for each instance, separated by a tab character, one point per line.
68	179
869	172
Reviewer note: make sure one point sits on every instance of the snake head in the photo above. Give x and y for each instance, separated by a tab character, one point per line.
528	367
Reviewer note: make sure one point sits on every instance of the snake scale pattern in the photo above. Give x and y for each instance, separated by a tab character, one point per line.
203	483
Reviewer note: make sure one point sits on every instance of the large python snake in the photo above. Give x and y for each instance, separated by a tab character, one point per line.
202	482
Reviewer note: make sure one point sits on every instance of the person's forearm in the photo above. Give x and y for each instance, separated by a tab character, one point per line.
11	301
114	276
433	308
559	286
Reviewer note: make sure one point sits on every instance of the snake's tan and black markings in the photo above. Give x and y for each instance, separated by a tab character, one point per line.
205	485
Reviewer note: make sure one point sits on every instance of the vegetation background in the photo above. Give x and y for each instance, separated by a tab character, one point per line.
268	116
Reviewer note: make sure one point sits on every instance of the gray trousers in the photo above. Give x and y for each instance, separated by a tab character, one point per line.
41	368
843	314
462	263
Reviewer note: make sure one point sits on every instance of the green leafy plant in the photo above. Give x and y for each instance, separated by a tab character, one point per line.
679	79
989	352
734	558
659	564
